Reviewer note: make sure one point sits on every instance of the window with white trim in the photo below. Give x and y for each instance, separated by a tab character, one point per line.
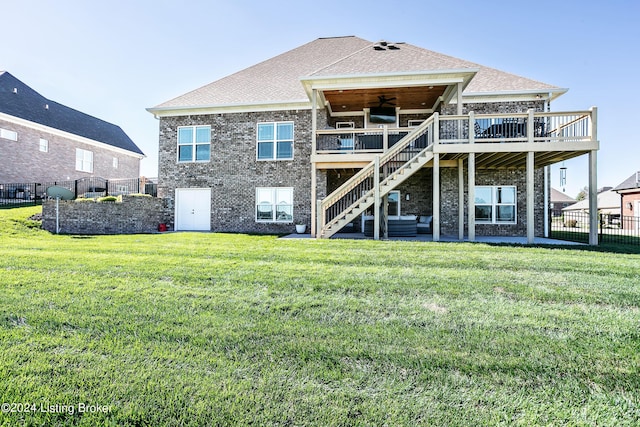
44	145
8	134
84	160
115	163
495	204
275	141
194	144
274	204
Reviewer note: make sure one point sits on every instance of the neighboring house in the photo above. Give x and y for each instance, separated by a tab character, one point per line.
296	138
559	201
629	191
42	141
608	203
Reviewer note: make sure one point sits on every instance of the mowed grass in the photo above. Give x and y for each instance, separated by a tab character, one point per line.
217	329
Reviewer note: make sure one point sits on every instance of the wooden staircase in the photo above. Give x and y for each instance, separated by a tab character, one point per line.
390	170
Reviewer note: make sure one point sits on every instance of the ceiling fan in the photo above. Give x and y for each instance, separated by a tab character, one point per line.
382	100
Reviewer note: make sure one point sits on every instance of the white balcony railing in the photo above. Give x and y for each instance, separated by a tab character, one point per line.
471	128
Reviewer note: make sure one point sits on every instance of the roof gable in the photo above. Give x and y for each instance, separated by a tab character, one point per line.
278	80
630	183
19	100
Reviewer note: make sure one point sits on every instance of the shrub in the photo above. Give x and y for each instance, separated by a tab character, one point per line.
571	223
108	199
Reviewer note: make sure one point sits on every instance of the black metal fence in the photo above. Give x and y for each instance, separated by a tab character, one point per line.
30	194
615	229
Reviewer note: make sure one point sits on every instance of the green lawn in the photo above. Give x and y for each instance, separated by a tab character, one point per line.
217	329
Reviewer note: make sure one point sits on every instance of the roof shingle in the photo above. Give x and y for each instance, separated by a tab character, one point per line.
278	79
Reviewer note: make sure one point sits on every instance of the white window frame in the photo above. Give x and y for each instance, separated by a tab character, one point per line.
274	141
495	204
275	192
84	160
193	143
44	145
8	134
115	163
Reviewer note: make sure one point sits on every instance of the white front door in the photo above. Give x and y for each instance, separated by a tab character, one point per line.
193	209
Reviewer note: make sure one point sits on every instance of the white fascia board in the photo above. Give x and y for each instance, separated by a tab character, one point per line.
229	108
513	95
68	135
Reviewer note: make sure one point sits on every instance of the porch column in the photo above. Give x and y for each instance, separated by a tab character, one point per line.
376	197
459	107
593	198
460	199
314	184
593	182
314	195
530	198
471	196
436	197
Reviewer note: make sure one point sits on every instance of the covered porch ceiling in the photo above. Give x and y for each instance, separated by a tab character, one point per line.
408	91
406	98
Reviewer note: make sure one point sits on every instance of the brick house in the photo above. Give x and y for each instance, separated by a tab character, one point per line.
629	191
42	140
344	134
559	201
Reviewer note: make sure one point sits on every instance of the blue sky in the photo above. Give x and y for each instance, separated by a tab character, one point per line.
114	59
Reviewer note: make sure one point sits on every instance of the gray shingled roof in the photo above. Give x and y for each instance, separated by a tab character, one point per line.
560	197
27	104
629	183
278	79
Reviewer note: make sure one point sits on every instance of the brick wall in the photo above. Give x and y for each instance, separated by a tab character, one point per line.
29	164
234	173
135	214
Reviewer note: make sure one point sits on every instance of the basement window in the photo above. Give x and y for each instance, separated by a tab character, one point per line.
495	204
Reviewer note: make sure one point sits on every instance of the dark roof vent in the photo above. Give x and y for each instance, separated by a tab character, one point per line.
383	45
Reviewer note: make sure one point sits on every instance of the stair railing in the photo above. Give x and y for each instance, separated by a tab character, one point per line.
358	186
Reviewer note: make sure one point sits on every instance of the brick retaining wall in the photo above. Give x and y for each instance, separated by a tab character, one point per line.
135	214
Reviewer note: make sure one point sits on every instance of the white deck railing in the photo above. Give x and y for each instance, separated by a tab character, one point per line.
531	126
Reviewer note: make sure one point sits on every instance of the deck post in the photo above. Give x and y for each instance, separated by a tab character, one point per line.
314	184
471	197
385	138
460	199
314	195
593	198
376	195
436	198
530	198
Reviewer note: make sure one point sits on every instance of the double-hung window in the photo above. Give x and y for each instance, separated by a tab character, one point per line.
194	144
275	141
84	160
495	204
274	204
